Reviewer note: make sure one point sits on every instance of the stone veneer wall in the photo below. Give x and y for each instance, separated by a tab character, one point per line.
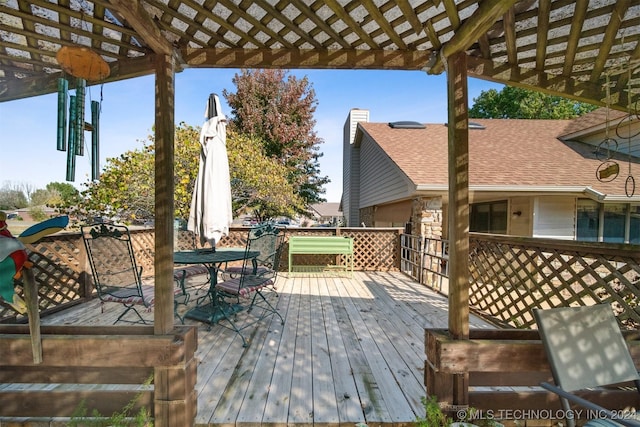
426	217
366	217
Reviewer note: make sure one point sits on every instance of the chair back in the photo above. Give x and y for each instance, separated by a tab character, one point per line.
265	239
112	260
585	347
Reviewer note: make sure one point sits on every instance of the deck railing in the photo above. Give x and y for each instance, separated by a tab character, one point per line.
500	370
511	275
63	274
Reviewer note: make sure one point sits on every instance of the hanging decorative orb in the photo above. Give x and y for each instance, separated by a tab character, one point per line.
82	62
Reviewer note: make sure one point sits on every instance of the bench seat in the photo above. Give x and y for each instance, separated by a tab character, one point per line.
321	245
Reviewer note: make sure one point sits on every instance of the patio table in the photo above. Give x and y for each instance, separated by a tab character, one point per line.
210	311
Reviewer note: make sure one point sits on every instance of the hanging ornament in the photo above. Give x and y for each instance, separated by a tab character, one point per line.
71	149
608	169
82	62
95	140
63	87
630	183
85	65
79	122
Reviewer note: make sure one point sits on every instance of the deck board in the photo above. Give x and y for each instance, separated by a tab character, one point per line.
351	350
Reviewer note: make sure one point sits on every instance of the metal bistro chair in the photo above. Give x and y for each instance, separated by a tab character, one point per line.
586	350
256	276
116	275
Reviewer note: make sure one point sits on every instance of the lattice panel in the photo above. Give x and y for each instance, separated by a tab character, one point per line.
57	284
508	280
376	251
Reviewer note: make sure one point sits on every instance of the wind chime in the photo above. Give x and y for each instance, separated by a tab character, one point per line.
609	169
80	64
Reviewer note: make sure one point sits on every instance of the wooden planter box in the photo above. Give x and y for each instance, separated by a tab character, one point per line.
103	368
500	370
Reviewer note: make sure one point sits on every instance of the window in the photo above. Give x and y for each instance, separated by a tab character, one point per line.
615	216
608	222
634	225
489	217
588	220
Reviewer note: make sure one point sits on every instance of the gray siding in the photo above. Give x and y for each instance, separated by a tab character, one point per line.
381	180
351	167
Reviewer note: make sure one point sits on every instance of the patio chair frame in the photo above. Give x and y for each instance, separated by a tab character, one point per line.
256	275
118	279
586	350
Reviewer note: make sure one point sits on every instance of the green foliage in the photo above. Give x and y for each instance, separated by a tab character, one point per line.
124	418
126	187
516	103
434	417
67	193
258	182
12	199
277	109
38	214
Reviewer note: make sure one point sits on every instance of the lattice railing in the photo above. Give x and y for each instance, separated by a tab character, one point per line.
509	276
59	270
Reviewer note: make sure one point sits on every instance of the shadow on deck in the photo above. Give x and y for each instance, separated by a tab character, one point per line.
351	350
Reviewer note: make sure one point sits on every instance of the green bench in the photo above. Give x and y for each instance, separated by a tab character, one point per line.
321	245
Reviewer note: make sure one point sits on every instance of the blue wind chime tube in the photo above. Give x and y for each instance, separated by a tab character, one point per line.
71	149
79	122
95	140
63	87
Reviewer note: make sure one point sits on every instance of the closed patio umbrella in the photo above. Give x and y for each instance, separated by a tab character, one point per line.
211	212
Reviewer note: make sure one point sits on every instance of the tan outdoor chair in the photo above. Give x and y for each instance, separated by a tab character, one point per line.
586	350
116	275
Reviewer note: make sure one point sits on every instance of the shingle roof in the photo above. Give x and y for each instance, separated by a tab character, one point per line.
509	152
594	119
327	209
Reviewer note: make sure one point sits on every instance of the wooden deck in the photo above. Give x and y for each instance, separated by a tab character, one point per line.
351	350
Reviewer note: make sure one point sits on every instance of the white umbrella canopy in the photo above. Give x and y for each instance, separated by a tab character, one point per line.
211	212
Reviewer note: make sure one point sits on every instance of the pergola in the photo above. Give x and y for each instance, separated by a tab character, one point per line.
583	50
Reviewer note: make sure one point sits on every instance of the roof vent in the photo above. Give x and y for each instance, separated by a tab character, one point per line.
406	125
473	125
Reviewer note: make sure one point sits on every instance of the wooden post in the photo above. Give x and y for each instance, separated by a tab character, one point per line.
165	128
458	129
33	313
170	407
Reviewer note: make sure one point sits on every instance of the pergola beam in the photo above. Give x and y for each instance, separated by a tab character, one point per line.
559	85
136	16
471	29
307	58
28	87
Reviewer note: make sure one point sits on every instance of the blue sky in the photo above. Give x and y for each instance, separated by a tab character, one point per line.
28	126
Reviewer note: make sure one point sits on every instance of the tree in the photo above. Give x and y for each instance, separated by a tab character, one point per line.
67	193
12	196
277	109
252	191
516	103
125	189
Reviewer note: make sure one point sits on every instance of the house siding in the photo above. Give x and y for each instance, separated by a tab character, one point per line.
351	167
381	179
554	217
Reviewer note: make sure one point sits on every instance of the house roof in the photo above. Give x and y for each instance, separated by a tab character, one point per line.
508	155
592	121
569	48
329	209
